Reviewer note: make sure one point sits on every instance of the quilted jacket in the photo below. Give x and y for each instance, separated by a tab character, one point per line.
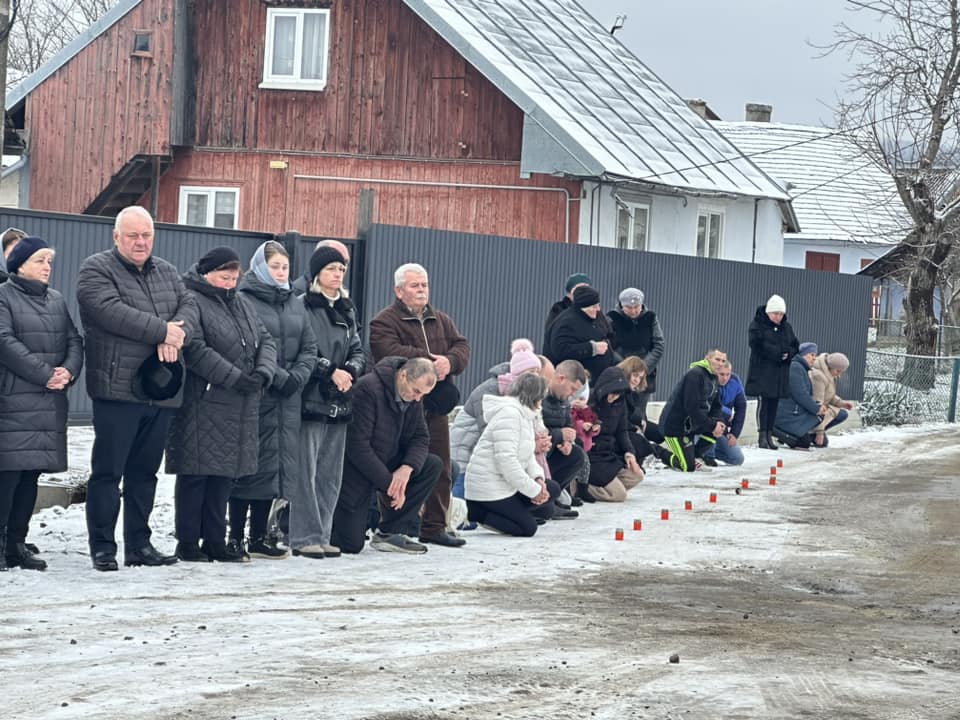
216	431
36	335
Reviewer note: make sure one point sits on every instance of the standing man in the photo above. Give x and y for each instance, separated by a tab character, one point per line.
636	332
733	405
387	453
412	328
132	306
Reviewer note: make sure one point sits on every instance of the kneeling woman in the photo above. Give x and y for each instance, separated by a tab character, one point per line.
40	355
504	483
213	439
613	462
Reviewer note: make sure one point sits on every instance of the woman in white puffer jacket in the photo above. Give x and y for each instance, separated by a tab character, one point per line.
504	482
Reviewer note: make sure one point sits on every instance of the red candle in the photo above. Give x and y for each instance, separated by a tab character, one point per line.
664	514
618	535
744	483
713	497
773	469
637	525
779	462
773	479
687	505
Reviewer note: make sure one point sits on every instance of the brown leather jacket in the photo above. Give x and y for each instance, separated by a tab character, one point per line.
395	331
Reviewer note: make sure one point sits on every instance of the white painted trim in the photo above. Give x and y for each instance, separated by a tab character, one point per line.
210	191
294	82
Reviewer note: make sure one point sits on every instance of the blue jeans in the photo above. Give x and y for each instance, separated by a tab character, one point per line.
841	416
726	453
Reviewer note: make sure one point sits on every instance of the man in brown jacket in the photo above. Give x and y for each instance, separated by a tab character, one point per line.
410	328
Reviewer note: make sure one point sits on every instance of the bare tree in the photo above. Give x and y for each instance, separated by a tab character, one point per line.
901	108
43	28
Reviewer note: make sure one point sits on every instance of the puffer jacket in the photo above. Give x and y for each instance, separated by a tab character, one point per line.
283	315
216	431
771	349
36	336
640	336
797	414
694	405
825	388
124	312
504	462
570	337
556	416
469	424
338	348
382	436
613	441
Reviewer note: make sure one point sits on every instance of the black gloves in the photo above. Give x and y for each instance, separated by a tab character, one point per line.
248	383
289	387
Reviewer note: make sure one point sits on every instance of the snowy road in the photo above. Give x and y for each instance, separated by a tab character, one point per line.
831	595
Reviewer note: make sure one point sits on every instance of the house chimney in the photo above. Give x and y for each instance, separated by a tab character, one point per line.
698	106
757	112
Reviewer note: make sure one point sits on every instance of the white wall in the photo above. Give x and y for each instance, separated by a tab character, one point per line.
10	190
673	224
851	253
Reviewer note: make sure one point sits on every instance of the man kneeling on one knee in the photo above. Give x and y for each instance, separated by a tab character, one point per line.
387	452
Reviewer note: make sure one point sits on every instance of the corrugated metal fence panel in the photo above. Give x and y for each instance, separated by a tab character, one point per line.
498	288
301	248
75	237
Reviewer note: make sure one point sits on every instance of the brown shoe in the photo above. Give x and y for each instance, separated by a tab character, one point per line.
311	551
331	551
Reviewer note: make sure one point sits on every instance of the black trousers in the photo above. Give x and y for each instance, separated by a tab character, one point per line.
18	495
200	505
350	516
259	515
565	469
513	515
767	413
128	447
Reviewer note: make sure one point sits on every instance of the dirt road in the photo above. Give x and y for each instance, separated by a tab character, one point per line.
834	595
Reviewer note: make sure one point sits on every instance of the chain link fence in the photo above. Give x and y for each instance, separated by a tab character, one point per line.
889	335
902	389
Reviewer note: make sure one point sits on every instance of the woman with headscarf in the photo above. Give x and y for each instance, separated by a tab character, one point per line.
326	407
40	356
213	438
772	347
267	286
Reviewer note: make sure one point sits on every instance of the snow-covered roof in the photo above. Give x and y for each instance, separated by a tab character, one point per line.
838	193
592	107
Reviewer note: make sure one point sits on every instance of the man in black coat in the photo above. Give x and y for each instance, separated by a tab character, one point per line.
692	419
581	332
573	282
132	305
567	460
387	450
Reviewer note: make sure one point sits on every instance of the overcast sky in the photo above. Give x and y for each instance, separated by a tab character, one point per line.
737	51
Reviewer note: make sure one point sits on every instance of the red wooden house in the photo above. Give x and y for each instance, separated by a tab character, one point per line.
323	115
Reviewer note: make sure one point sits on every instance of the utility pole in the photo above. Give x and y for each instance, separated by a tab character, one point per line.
4	37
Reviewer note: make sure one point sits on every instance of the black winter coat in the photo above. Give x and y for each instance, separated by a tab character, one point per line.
613	441
124	312
282	314
556	416
36	336
771	349
570	336
640	336
338	348
558	307
381	437
694	406
216	431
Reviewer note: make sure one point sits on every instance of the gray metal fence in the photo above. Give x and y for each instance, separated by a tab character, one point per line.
499	288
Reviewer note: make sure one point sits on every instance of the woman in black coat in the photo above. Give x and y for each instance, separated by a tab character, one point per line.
267	286
613	461
772	345
40	356
581	332
214	437
327	407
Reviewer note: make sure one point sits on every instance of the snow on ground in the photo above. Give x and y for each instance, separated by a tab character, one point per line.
804	599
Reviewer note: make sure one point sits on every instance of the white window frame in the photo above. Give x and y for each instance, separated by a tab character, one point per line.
632	208
294	82
708	211
211	193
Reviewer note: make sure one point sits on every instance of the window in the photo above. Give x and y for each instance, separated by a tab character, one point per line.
295	55
632	220
828	262
709	233
142	43
209	206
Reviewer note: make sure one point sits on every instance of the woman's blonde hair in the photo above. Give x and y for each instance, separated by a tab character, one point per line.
632	364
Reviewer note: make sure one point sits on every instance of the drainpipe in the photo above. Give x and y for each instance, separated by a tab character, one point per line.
474	186
756	209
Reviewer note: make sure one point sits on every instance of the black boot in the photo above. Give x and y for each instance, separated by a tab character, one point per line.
763	441
20	555
3	549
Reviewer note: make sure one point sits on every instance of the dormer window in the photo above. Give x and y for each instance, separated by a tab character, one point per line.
295	55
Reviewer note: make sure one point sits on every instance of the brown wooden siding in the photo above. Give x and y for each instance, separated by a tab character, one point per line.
394	88
281	200
99	110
